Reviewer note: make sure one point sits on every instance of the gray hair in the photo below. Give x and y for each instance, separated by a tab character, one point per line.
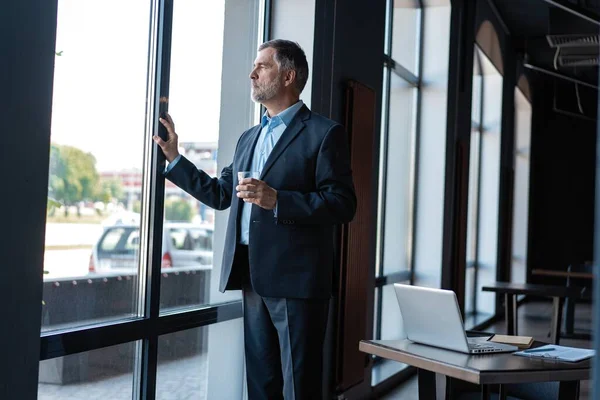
290	57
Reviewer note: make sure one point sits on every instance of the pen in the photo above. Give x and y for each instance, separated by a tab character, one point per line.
539	350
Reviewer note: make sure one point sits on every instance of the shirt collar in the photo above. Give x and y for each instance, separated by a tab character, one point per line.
284	117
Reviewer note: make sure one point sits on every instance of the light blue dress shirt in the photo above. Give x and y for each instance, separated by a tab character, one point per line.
272	130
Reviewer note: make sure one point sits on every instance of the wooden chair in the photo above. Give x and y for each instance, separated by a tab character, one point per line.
581	280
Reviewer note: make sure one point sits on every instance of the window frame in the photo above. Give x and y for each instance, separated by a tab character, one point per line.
150	322
391	66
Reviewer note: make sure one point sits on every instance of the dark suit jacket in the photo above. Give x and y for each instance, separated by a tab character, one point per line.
292	255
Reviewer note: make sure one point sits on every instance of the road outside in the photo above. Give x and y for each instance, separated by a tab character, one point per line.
68	248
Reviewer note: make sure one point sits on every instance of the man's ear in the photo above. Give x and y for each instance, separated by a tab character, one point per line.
290	77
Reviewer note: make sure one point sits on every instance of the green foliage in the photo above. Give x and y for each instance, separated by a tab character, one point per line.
52	204
178	210
137	206
73	175
109	189
73	178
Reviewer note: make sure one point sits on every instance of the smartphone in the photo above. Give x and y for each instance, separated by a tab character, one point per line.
163	108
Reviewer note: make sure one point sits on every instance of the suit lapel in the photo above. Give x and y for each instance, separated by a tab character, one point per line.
248	153
245	162
288	136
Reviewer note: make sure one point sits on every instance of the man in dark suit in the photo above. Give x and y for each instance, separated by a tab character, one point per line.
279	243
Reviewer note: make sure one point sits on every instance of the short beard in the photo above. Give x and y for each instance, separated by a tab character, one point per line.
266	92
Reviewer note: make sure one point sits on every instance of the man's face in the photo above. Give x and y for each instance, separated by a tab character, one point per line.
265	76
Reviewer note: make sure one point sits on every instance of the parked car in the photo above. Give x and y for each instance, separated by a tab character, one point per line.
184	246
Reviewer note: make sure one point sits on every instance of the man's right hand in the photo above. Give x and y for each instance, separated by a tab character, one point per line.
170	147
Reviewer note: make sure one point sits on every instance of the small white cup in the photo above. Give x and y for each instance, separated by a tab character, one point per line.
248	174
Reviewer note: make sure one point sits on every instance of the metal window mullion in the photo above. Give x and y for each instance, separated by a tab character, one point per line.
479	162
396	277
418	44
153	191
265	12
416	150
378	320
389	15
382	192
401	71
72	341
383	152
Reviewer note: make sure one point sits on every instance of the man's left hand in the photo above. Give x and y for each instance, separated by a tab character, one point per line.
258	192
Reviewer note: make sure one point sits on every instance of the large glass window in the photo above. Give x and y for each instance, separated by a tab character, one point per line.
484	186
96	162
405	35
98	374
521	187
195	105
395	224
399	176
101	286
431	149
185	370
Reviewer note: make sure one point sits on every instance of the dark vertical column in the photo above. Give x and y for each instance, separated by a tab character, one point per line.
596	317
460	82
28	31
349	39
353	290
507	172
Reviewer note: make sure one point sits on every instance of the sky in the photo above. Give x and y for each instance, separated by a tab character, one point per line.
100	77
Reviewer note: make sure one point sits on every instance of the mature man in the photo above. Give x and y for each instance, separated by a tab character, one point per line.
279	241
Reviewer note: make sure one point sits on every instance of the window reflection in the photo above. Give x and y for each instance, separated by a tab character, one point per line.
99	374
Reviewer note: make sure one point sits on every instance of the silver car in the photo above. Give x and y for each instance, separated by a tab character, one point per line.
185	246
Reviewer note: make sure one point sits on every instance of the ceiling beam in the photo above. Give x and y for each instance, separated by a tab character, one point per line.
560	76
577	11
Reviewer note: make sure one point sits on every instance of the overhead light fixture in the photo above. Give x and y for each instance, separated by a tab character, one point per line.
564	41
578	61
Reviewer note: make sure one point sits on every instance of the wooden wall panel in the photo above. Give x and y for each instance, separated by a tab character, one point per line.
356	280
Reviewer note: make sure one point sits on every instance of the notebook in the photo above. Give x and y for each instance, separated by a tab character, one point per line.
522	342
555	352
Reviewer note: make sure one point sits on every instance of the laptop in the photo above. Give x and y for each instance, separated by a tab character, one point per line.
432	317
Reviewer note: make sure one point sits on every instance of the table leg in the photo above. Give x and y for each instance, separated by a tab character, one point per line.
449	388
485	392
568	390
569	315
557	303
510	312
502	393
426	384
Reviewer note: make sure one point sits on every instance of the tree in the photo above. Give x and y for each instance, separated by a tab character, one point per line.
73	175
178	210
109	189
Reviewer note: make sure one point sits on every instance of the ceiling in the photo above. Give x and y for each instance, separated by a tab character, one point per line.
530	22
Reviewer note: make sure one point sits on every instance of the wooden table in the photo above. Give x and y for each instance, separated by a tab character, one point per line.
484	369
563	274
512	290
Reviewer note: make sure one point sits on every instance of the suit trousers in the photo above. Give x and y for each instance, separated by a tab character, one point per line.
283	339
